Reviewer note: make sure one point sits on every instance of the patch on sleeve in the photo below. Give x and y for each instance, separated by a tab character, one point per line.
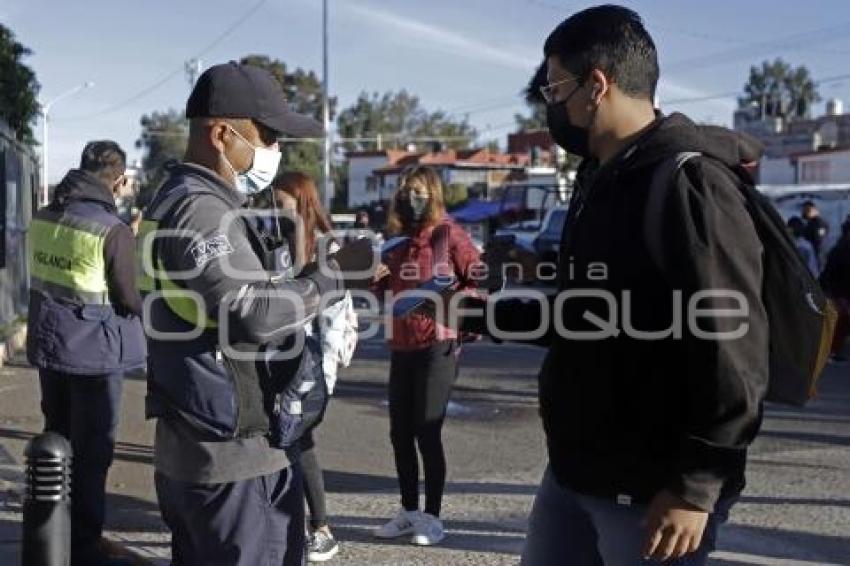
217	246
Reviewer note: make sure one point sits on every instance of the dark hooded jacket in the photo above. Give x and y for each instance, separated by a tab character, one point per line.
119	248
71	328
627	416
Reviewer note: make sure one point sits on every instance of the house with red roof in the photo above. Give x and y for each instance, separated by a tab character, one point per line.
479	168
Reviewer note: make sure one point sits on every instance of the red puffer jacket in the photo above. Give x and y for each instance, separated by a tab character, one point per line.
419	331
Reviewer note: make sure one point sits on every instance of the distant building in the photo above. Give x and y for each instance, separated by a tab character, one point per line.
783	138
801	151
362	182
537	144
479	169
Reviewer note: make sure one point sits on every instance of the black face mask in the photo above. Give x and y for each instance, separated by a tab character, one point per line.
574	139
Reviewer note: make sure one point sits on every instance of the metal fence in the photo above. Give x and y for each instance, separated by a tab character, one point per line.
19	181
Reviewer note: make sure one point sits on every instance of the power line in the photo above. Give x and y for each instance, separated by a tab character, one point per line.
180	69
480	109
825	80
721	57
741	41
473	107
700	35
700	98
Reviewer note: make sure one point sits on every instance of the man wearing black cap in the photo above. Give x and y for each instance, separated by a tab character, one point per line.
226	490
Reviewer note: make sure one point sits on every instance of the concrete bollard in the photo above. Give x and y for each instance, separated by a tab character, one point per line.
47	502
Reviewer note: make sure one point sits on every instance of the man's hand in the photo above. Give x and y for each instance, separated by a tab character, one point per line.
673	526
381	272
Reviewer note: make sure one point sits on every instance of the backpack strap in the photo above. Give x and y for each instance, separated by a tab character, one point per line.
659	188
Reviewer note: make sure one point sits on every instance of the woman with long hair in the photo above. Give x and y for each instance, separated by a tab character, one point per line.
295	195
424	353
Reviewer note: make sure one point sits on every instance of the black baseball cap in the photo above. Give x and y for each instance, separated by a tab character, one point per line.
233	90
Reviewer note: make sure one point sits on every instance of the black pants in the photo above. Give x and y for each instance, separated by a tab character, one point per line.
84	409
314	482
420	384
258	521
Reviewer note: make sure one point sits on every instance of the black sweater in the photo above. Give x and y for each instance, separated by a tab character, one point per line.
630	416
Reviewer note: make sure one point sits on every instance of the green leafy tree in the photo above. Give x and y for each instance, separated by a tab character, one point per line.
165	134
18	87
776	89
455	194
164	137
535	120
393	113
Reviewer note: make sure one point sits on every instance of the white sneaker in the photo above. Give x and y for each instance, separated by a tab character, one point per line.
401	525
427	530
321	547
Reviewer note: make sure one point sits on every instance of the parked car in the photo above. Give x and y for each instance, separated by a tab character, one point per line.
515	251
548	240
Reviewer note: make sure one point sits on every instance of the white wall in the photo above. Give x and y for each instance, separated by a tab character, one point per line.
390	183
776	171
827	168
465	176
359	168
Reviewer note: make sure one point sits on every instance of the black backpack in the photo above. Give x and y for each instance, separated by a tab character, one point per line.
801	318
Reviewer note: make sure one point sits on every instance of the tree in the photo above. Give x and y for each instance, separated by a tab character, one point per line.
776	89
18	87
399	117
455	194
535	120
303	91
164	137
165	134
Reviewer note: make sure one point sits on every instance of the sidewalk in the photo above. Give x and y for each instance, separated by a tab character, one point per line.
795	511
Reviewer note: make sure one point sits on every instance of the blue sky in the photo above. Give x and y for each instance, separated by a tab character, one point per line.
465	56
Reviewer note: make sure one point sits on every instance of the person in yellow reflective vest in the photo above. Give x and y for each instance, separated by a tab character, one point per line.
84	329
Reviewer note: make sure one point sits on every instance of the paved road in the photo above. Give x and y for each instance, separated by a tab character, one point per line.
796	510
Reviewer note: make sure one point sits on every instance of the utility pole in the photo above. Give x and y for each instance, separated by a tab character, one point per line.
193	68
326	111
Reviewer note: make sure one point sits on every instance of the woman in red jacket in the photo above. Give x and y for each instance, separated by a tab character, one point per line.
423	363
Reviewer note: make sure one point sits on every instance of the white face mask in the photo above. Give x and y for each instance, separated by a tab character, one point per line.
263	168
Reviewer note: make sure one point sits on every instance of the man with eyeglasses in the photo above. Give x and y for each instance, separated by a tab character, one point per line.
647	430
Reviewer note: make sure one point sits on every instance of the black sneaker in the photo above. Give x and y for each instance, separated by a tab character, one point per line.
321	547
